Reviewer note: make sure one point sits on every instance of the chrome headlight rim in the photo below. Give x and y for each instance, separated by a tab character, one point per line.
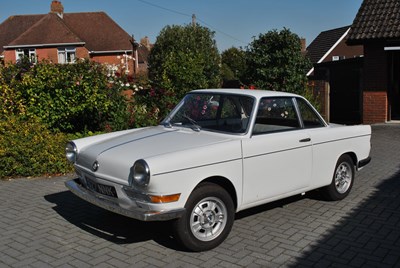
71	152
140	174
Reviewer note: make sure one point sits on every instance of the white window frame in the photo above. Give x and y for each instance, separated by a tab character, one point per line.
20	53
66	55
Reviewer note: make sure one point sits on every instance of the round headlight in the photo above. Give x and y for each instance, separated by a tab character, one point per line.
141	173
71	152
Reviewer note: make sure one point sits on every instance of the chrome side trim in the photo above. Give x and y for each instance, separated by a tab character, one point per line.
138	214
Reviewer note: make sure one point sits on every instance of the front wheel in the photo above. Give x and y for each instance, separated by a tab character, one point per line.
342	180
208	218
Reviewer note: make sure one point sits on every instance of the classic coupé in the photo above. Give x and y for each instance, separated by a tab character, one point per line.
219	151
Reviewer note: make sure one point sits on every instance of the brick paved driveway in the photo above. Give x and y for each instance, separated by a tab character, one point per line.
44	225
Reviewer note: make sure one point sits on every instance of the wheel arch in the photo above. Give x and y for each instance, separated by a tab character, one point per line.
224	183
353	157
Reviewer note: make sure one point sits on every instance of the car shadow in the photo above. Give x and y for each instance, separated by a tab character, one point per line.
119	229
368	237
314	195
110	226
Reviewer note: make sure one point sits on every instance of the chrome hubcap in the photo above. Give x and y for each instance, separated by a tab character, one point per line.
343	177
208	219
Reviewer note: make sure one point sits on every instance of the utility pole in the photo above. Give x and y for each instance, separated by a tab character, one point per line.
194	20
135	46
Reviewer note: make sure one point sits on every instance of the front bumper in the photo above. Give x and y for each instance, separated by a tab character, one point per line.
137	213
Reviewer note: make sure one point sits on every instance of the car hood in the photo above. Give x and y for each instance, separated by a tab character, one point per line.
116	153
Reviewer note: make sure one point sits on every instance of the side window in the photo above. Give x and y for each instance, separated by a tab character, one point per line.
276	114
309	116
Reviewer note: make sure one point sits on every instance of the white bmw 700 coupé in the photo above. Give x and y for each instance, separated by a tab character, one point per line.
218	152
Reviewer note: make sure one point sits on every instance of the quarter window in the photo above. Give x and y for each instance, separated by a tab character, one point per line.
309	116
66	55
276	114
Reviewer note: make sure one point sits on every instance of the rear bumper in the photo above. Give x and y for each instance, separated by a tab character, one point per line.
137	213
363	162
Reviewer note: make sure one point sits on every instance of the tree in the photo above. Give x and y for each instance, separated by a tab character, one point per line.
233	64
275	62
184	58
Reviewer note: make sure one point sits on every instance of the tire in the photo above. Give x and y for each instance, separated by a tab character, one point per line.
208	218
342	181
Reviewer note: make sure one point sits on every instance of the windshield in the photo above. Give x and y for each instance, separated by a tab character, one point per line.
213	111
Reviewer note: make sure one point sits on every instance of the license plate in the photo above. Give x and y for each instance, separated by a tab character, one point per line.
101	188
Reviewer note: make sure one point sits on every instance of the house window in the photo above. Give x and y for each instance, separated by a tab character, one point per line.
30	53
66	55
336	58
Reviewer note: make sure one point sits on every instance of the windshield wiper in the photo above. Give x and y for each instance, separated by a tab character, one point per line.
195	126
167	124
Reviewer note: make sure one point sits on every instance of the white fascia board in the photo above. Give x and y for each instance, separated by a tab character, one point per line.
310	71
46	45
110	52
334	46
330	50
391	48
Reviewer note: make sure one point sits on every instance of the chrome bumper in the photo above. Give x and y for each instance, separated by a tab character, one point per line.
139	213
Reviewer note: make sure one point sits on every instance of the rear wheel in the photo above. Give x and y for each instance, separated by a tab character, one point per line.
208	218
342	180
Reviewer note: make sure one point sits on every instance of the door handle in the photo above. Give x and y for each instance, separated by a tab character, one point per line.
305	140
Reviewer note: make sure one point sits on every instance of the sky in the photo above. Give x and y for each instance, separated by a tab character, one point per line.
235	22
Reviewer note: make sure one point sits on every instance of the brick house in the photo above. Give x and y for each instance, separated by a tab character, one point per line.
377	27
65	37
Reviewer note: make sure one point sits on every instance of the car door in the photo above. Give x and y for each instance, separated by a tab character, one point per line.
277	159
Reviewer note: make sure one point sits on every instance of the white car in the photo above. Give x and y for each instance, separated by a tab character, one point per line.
218	152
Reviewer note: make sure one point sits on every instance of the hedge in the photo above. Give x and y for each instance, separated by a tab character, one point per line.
28	148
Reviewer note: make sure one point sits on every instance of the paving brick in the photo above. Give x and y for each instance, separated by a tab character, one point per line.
43	225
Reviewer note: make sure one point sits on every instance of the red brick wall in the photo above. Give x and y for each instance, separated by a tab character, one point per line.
81	52
342	49
375	107
9	56
50	53
375	103
113	59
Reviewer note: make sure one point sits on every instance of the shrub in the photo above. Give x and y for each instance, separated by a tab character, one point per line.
70	97
28	148
40	104
11	101
152	105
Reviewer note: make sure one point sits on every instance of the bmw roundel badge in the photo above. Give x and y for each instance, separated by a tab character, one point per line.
95	166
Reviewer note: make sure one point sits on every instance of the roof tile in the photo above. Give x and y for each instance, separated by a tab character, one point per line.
376	19
14	26
49	30
99	32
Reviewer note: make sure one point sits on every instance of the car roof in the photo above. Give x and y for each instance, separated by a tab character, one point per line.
250	92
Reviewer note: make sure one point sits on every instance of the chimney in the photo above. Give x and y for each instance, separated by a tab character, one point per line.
145	41
56	7
303	45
